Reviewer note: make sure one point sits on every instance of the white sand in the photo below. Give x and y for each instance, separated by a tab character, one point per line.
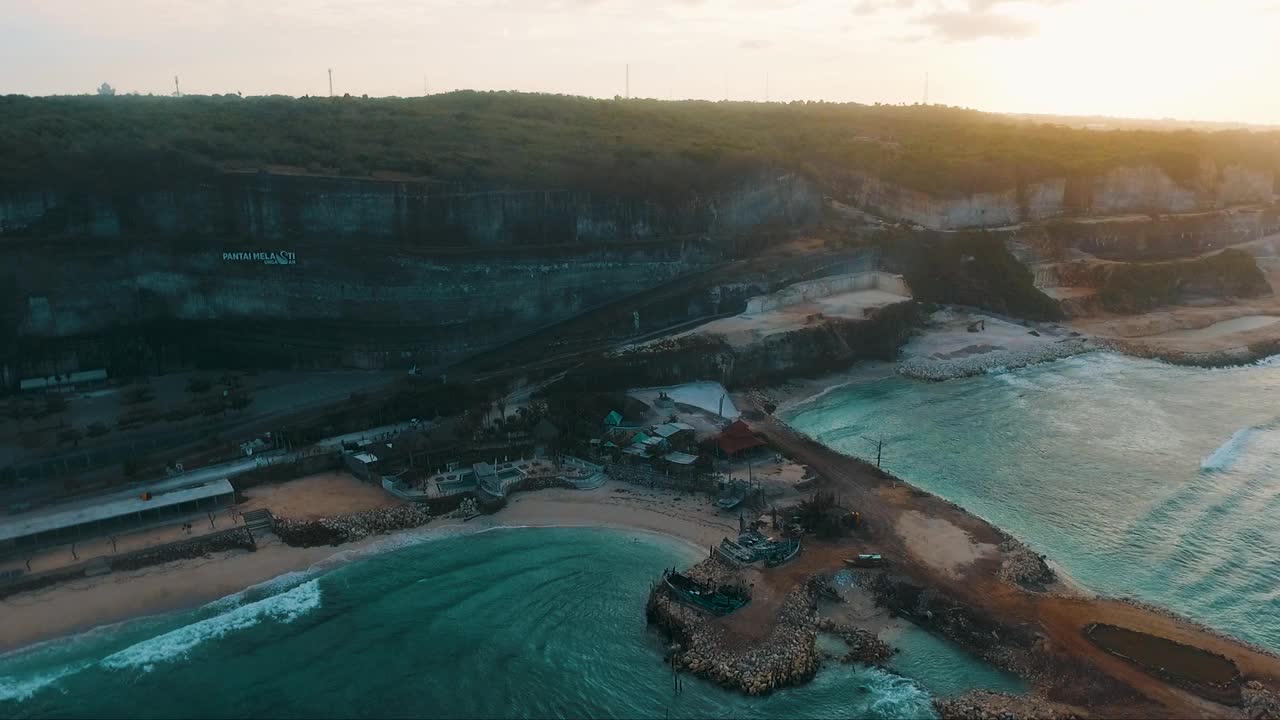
82	604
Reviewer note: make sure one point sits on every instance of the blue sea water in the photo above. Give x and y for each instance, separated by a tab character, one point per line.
1135	477
499	624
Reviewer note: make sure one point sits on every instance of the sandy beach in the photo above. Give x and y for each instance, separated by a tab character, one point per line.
90	602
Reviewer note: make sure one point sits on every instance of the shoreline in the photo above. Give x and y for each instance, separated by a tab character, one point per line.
90	604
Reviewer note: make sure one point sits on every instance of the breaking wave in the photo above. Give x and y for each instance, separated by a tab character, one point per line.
1228	452
285	607
21	689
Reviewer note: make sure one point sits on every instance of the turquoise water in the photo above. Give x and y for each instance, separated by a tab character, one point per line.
1135	477
510	623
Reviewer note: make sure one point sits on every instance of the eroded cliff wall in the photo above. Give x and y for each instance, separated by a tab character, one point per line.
1142	189
382	273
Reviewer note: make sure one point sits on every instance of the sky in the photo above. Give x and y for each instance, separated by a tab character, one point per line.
1186	59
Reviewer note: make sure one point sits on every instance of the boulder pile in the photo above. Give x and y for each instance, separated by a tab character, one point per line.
1023	567
864	645
347	528
929	368
1259	702
988	705
787	656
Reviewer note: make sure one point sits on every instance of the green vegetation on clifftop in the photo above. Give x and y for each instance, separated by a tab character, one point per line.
1139	287
660	149
974	269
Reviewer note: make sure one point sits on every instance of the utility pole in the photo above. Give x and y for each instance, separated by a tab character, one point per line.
177	92
330	82
628	87
879	447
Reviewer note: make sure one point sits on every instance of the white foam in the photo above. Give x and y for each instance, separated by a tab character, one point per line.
12	688
1228	452
285	607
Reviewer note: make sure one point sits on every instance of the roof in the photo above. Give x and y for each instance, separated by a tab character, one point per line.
680	458
483	469
116	505
639	450
668	429
738	437
640	438
366	457
613	418
58	380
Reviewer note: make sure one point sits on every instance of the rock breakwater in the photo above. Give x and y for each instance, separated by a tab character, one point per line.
864	646
347	528
937	369
787	656
988	705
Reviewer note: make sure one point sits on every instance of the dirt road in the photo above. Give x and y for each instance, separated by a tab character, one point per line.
1059	617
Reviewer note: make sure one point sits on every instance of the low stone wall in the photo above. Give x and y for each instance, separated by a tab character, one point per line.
348	528
235	539
926	368
232	539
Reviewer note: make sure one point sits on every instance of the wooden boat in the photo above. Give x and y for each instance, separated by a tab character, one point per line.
712	600
865	561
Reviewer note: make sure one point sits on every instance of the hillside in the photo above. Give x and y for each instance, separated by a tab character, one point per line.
640	147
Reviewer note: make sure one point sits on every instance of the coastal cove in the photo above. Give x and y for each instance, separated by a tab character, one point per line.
412	628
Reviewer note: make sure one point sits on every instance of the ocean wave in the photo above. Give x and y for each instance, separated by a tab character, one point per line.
22	689
1228	452
285	607
895	696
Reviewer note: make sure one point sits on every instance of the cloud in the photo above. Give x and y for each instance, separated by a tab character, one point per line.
753	44
959	26
872	7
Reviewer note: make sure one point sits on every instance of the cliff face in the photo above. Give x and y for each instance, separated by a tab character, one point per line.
830	345
376	273
1143	189
276	208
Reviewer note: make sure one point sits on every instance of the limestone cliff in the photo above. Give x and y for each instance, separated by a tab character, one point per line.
1138	189
373	274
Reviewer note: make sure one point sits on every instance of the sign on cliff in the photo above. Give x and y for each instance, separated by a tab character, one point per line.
278	257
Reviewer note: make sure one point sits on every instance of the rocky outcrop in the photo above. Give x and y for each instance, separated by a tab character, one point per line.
1139	287
1024	567
826	345
989	705
348	528
1259	702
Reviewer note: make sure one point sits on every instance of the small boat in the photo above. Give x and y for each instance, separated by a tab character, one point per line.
865	561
